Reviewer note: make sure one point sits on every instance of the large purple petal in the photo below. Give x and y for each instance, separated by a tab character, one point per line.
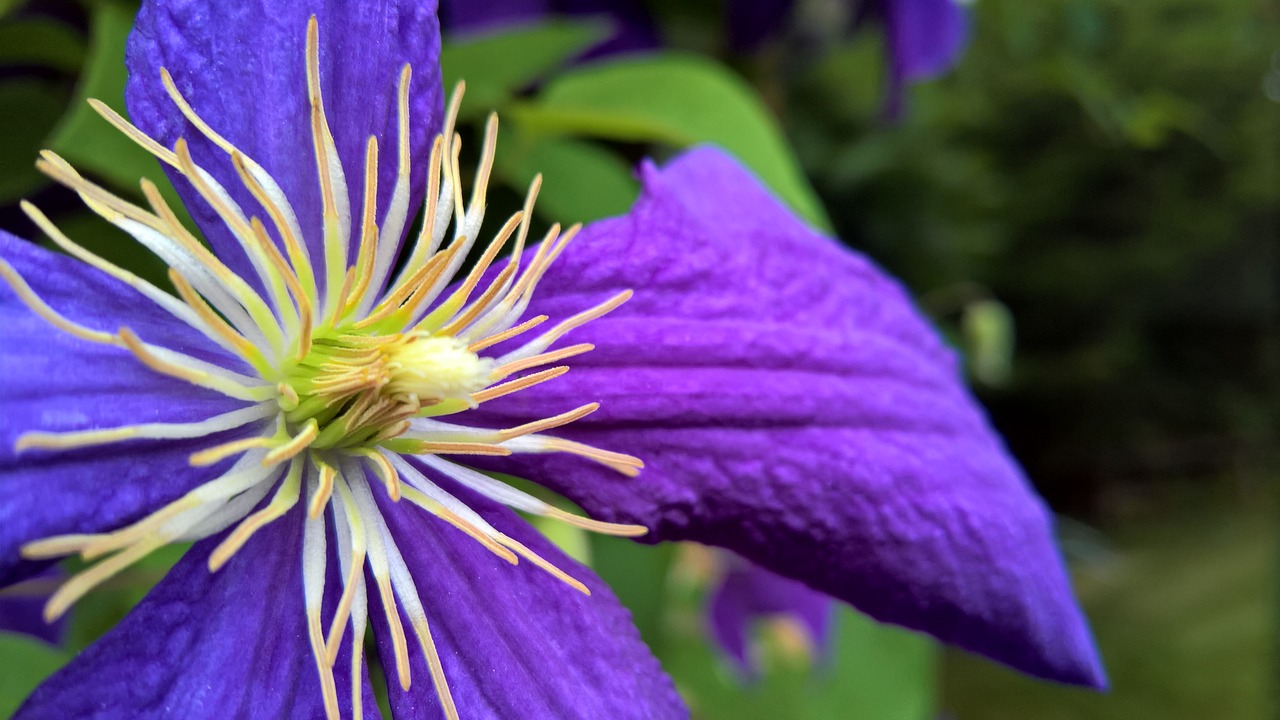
515	641
747	593
51	381
792	405
241	66
230	644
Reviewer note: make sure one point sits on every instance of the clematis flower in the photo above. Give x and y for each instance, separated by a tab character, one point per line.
746	594
299	409
311	407
923	38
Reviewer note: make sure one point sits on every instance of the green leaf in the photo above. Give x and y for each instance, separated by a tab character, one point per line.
497	65
874	671
41	42
581	181
989	341
26	662
27	107
84	138
677	100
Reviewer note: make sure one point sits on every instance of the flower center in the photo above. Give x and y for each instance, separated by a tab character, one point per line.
361	389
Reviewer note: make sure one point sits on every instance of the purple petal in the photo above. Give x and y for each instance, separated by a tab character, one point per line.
791	405
515	641
54	382
925	39
242	67
230	644
748	593
22	608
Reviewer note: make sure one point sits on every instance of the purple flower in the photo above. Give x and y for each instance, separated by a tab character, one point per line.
747	593
308	410
923	38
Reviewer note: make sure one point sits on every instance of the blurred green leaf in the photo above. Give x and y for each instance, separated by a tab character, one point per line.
638	574
41	42
107	605
582	181
84	138
497	65
874	671
678	100
989	341
26	662
27	107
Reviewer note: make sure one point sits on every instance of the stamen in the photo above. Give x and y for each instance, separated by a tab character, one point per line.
333	184
48	314
542	342
597	526
475	533
144	140
398	211
234	219
494	392
300	442
496	338
508	369
281	214
229	335
385	472
284	499
434	666
547	423
368	228
87	579
161	298
156	431
321	496
624	464
314	558
543	563
196	372
354	572
216	453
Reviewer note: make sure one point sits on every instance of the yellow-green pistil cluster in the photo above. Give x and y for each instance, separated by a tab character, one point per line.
352	369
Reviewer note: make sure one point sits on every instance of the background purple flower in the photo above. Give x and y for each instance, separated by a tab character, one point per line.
747	593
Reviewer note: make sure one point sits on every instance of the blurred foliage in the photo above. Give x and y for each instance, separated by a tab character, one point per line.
1108	171
1184	611
1089	206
